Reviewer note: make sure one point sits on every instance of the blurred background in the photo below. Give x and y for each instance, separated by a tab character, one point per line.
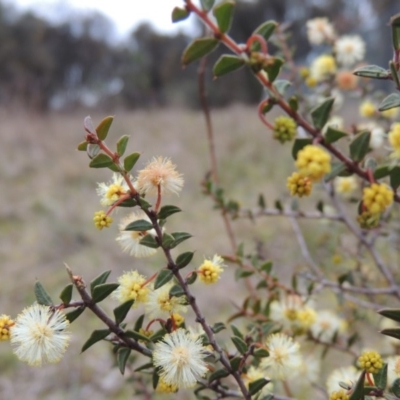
60	61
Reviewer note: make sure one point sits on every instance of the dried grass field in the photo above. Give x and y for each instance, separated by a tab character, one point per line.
48	199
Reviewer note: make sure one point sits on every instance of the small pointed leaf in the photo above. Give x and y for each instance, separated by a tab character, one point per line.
100	292
163	277
176	291
382	171
392	313
227	63
223	13
256	386
179	14
179	238
218	374
95	337
337	170
103	128
92	150
184	259
121	145
380	378
395	177
282	86
166	211
139	323
66	294
239	344
130	161
198	49
73	315
273	69
82	146
167	240
265	30
332	135
101	161
359	147
372	71
88	125
42	297
320	114
121	311
150	241
140	225
102	278
391	101
122	357
396	388
218	327
358	390
137	336
207	5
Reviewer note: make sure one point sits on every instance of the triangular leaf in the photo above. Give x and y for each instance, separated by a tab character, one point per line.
166	211
337	169
121	311
392	313
176	291
223	13
265	30
179	238
102	278
122	357
101	161
42	297
82	146
73	315
121	145
298	145
391	101
239	344
179	14
358	392
395	177
359	147
218	374
273	69
150	241
257	385
184	259
163	277
95	337
332	135
103	127
140	225
66	294
207	5
380	378
130	161
320	114
198	49
100	292
226	64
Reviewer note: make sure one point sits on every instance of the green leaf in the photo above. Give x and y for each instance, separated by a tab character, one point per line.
391	101
266	267
218	327
166	211
144	366
100	292
155	379
128	203
395	177
102	278
372	71
358	392
192	278
92	150
179	14
121	145
207	5
218	374
223	13
359	147
179	238
395	24
257	385
371	164
227	63
137	336
103	127
273	69
140	225
198	49
114	168
139	323
122	357
163	277
380	379
392	313
73	315
337	169
184	259
235	363
265	30
332	135
101	161
396	387
130	161
261	353
320	114
293	103
121	311
150	241
239	344
176	291
382	171
42	297
82	146
66	294
282	85
167	240
236	332
298	145
95	337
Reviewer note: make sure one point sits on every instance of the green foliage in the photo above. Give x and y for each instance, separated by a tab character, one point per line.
223	13
320	114
391	101
265	30
66	294
256	386
130	161
103	128
42	297
121	144
198	48
372	71
179	14
101	161
101	292
102	278
184	259
227	63
122	358
73	315
167	211
333	135
95	337
121	311
359	147
140	225
163	277
298	145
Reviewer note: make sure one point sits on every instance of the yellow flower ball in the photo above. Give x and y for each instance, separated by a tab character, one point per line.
102	220
377	197
367	109
299	185
284	129
370	361
313	162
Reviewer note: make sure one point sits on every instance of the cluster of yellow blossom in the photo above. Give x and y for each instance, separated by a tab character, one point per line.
284	129
299	185
377	197
313	162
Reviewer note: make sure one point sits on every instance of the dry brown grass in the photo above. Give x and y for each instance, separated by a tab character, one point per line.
48	199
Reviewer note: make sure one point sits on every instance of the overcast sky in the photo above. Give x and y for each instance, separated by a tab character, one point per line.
124	13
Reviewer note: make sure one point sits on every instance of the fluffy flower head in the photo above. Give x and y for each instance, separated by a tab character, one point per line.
346	80
39	335
181	359
130	240
210	270
349	49
346	185
348	375
132	286
284	358
323	67
313	162
159	303
320	30
112	191
161	174
326	325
